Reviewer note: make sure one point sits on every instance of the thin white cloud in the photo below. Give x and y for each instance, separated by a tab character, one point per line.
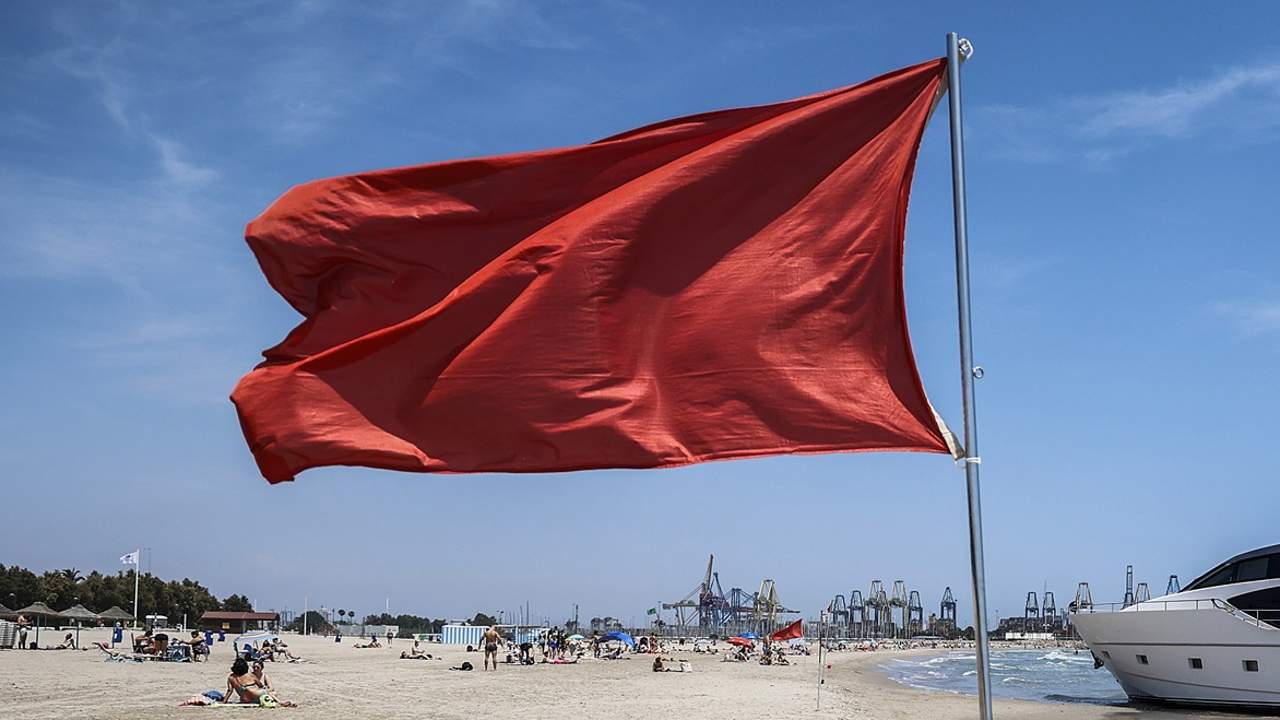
499	23
1252	318
1181	109
58	228
1100	130
179	169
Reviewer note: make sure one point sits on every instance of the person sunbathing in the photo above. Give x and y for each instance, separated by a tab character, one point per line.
414	654
661	664
160	645
243	685
198	647
614	653
144	643
373	643
260	673
282	649
68	643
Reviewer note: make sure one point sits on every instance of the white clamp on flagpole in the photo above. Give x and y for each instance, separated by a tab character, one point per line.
958	50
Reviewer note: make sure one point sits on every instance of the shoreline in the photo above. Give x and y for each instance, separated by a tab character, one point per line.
894	700
338	681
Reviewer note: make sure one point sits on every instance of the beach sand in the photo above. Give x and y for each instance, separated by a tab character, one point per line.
339	681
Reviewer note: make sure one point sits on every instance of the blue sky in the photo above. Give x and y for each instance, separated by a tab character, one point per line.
1123	168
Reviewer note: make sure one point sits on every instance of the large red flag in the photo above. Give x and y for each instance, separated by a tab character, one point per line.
717	286
790	632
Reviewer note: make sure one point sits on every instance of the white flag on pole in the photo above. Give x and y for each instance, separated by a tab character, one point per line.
130	559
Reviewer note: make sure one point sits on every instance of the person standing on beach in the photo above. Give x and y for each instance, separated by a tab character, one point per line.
492	639
22	632
390	635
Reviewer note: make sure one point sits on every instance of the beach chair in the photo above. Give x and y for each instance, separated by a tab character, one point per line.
173	653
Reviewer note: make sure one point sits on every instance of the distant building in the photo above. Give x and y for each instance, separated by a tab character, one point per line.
605	624
238	622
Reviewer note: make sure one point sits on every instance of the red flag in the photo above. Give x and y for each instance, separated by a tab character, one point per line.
794	630
717	286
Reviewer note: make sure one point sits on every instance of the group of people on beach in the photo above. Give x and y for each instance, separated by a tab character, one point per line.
23	627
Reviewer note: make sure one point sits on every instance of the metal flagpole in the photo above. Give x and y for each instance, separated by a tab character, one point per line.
137	560
958	50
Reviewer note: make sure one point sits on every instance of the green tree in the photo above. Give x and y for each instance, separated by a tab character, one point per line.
315	623
237	603
20	583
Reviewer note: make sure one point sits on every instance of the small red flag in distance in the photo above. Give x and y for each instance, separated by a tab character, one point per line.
790	632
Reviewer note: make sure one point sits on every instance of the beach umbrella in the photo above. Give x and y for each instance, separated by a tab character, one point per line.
115	613
576	636
38	610
620	637
6	612
79	613
741	642
750	636
251	639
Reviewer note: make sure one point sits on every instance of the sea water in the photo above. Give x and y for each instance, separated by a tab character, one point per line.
1052	674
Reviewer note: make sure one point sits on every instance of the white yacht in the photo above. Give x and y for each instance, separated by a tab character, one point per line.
1216	642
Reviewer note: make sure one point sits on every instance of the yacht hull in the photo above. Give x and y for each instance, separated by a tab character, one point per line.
1201	656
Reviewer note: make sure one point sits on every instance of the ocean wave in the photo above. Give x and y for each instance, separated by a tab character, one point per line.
1038	675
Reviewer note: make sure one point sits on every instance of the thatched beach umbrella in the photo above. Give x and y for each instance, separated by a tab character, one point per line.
38	610
78	613
115	613
112	615
6	612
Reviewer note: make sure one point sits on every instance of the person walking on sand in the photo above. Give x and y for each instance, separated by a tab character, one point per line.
492	639
390	636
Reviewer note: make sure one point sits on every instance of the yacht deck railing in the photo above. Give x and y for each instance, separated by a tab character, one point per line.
1269	619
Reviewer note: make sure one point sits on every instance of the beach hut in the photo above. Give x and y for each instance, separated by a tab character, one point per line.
38	610
462	634
79	613
237	622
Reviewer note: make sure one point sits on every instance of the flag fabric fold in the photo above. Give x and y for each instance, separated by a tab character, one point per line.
129	558
716	286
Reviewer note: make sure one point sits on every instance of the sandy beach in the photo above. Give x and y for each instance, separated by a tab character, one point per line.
340	681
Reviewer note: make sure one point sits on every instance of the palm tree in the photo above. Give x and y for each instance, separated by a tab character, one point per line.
72	575
341	614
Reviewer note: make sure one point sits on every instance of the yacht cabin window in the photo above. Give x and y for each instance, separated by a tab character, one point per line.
1266	567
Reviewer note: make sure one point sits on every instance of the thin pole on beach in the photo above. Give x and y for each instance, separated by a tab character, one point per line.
957	51
136	554
822	620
